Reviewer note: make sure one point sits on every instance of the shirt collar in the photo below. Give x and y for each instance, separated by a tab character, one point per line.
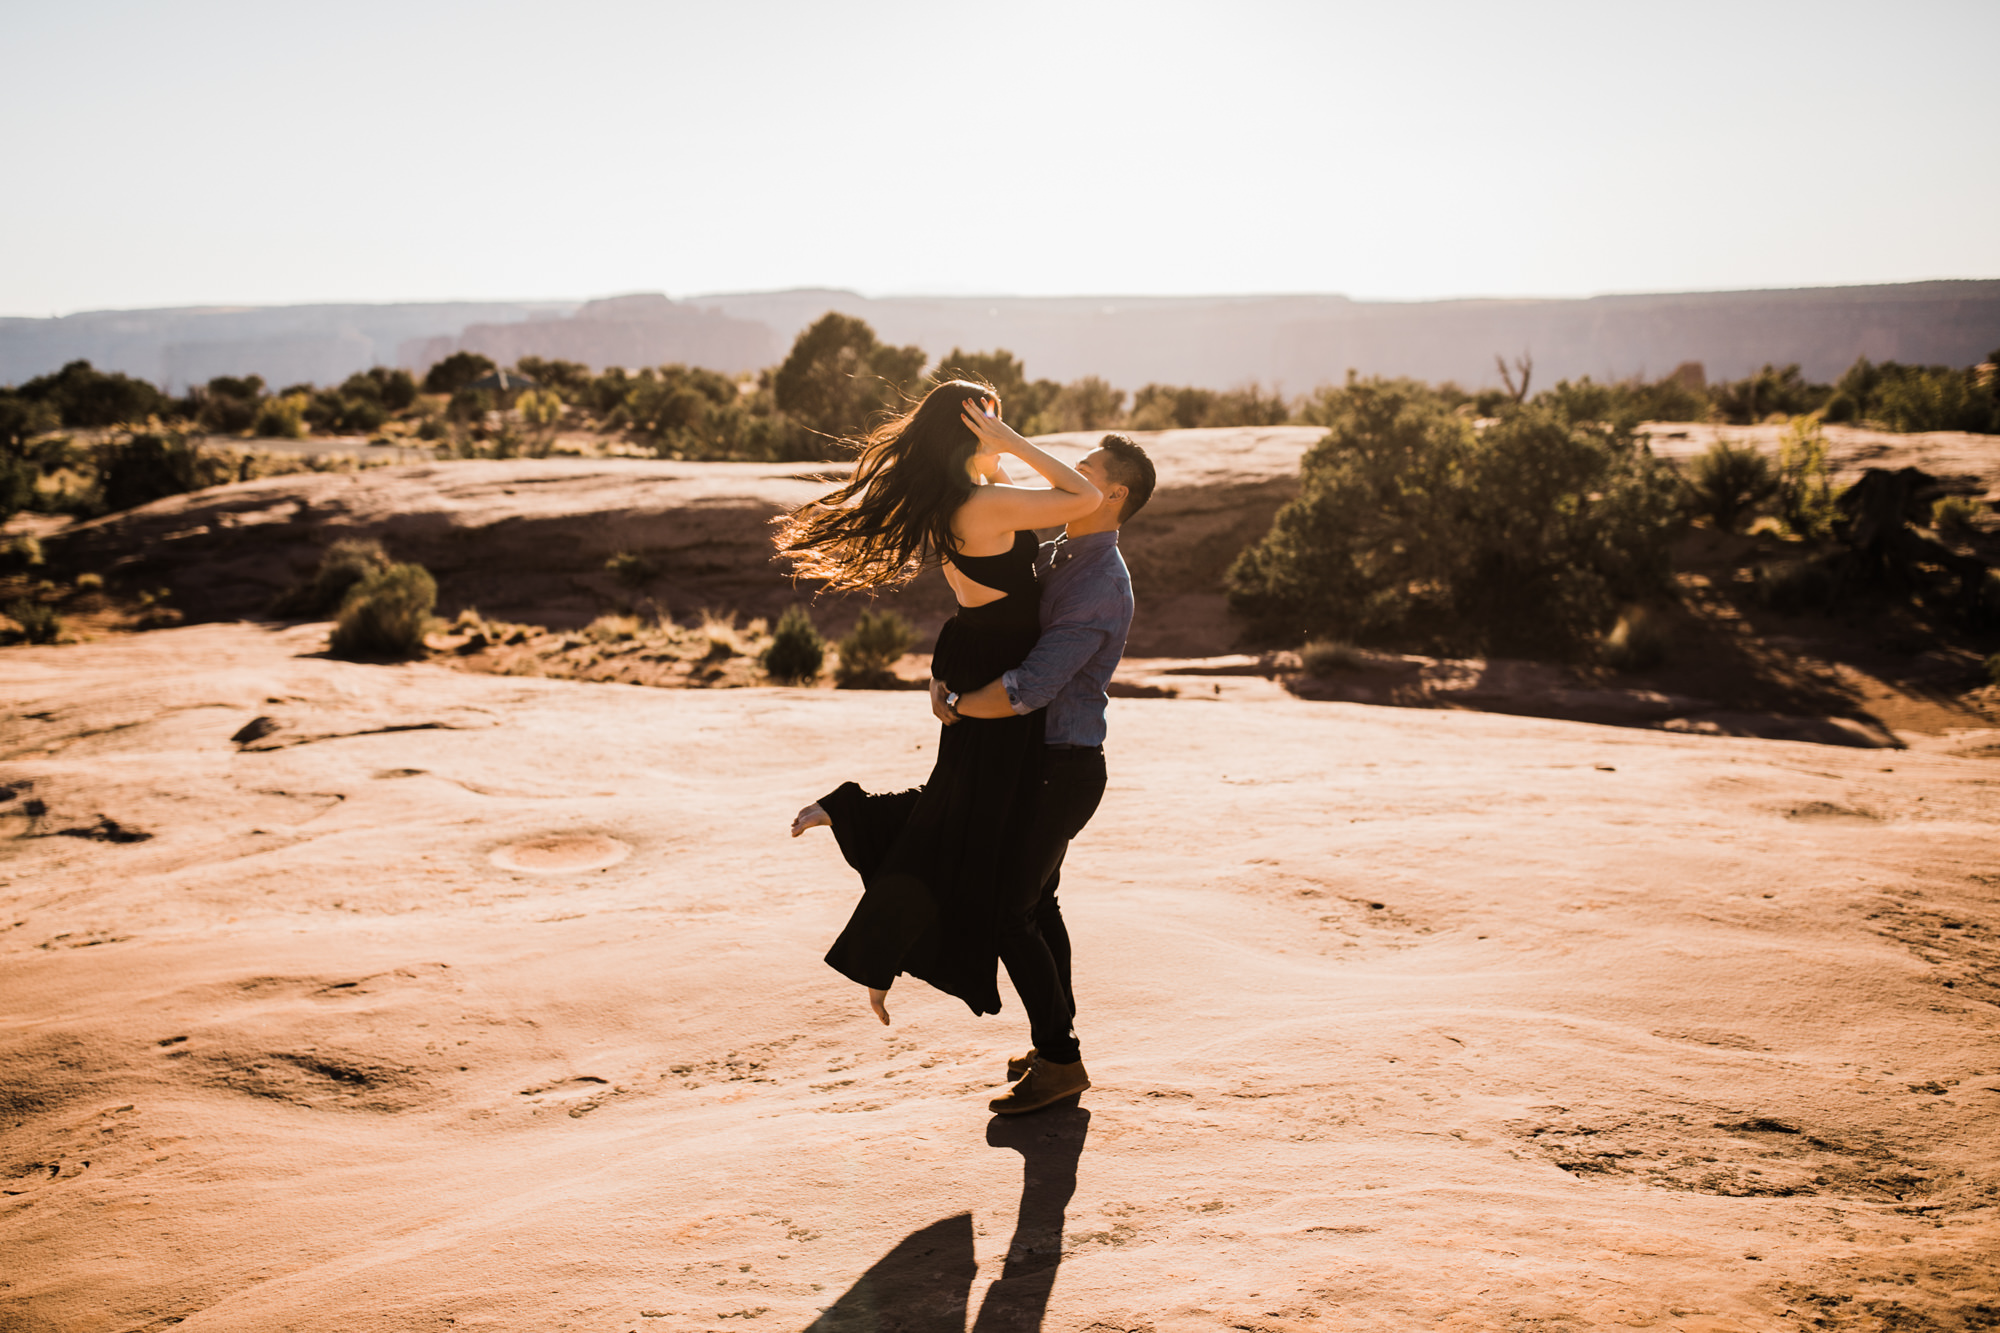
1088	542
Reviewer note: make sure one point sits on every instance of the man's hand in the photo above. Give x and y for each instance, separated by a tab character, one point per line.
939	708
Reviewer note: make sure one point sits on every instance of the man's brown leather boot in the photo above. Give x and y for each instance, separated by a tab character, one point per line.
1045	1084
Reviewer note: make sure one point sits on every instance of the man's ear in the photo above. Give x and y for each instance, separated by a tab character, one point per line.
1117	494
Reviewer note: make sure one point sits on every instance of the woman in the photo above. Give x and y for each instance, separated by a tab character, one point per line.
930	486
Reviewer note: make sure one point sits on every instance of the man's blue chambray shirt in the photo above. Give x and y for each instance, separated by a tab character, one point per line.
1086	613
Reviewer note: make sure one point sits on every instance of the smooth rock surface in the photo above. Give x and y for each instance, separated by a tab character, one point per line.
527	539
1398	1019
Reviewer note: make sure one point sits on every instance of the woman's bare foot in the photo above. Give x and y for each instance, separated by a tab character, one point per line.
811	817
878	1001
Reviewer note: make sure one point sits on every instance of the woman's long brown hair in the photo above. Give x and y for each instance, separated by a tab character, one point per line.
894	515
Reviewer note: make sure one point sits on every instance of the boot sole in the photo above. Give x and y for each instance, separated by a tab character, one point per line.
1069	1097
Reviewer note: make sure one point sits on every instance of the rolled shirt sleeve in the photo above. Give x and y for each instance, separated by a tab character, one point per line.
1061	652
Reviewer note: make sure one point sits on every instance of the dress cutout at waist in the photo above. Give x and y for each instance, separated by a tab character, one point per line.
1011	572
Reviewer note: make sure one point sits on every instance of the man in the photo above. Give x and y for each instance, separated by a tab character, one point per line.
1086	612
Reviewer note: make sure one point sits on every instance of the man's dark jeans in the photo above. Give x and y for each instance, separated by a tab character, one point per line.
1033	941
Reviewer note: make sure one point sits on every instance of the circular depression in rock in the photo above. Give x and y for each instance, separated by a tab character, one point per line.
560	853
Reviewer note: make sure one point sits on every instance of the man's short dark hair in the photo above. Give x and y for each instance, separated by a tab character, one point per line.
1126	463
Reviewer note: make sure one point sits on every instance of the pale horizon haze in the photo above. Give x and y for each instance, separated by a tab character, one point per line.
221	153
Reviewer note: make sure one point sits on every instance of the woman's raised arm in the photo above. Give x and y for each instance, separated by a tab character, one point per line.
1006	508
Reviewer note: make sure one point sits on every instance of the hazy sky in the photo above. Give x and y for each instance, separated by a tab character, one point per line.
210	152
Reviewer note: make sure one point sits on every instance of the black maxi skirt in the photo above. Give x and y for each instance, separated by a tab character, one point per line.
931	859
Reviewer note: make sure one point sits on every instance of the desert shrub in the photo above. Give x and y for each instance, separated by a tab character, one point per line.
247	387
999	368
469	405
571	379
1921	398
17	485
84	396
1323	657
1916	398
1729	482
23	418
1248	405
839	376
1956	515
1992	665
540	407
145	468
345	563
20	553
1638	641
606	393
1330	404
282	417
692	413
38	620
1792	586
1626	403
456	371
1028	410
1170	407
673	400
797	651
227	404
384	617
750	430
1409	527
1561	522
394	388
505	440
1085	404
1680	396
1362	552
1754	398
1852	392
1805	484
337	412
632	569
1023	401
871	649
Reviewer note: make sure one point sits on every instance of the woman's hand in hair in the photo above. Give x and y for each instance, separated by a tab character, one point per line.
1002	509
982	418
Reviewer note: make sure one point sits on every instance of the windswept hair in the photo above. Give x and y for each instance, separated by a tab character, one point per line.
894	516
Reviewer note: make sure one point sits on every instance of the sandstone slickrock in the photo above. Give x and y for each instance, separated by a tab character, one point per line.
527	540
1398	1019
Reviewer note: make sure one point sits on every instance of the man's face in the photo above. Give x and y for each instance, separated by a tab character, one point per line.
1093	471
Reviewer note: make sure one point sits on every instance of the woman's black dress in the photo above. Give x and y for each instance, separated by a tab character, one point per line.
931	858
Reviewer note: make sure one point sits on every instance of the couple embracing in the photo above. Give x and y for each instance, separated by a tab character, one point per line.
960	875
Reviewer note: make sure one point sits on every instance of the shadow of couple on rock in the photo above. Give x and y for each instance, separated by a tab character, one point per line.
924	1284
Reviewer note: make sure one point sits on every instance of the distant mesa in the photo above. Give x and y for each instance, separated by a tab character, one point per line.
1215	342
640	330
